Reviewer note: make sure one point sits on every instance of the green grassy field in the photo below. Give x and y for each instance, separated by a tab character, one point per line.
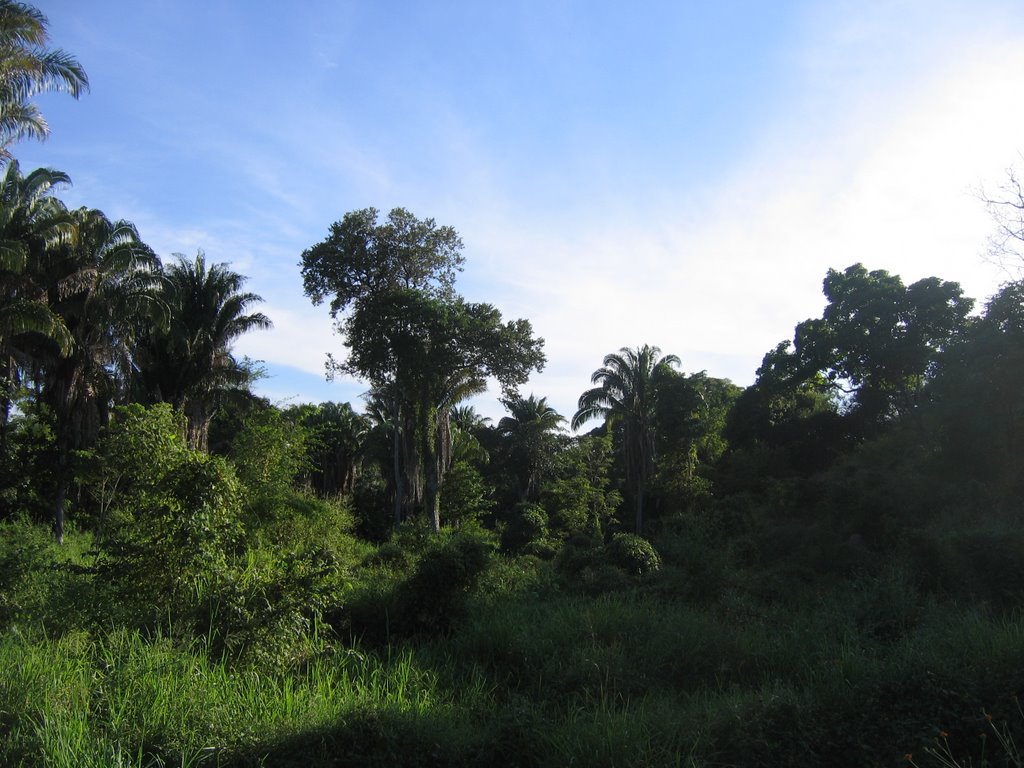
526	663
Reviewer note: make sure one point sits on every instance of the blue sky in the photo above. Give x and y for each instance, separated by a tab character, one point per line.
674	173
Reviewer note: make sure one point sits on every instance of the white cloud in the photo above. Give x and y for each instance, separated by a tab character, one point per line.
881	172
893	112
300	339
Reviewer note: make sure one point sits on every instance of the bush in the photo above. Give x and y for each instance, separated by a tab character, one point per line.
133	458
390	556
374	513
601	578
26	557
159	556
584	565
979	564
268	454
27	464
265	612
578	552
634	554
528	524
466	496
389	601
434	596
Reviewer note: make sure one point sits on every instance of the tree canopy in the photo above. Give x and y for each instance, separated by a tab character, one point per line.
877	339
362	259
391	289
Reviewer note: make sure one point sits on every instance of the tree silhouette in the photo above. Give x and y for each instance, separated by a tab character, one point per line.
625	396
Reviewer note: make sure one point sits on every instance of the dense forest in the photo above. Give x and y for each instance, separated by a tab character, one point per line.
822	568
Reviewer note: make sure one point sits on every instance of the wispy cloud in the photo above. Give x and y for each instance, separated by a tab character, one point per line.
882	174
615	191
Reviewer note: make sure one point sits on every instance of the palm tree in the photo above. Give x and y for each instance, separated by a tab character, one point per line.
438	442
338	434
389	442
100	286
529	430
625	395
188	362
27	68
466	426
32	222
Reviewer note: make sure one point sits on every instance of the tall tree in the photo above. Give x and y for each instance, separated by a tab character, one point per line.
1006	207
878	340
361	258
336	435
625	396
449	391
433	354
187	361
359	263
27	68
788	418
690	417
580	497
389	445
467	425
977	402
391	289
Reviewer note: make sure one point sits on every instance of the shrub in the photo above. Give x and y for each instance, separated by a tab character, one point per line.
979	564
268	454
159	555
584	565
434	596
634	554
373	511
266	611
391	556
601	578
133	458
578	552
25	559
26	464
466	496
528	524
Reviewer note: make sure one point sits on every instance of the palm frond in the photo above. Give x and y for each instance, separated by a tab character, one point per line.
20	317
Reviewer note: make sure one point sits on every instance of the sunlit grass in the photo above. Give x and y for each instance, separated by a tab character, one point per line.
122	696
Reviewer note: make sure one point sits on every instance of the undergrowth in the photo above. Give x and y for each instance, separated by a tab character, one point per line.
444	651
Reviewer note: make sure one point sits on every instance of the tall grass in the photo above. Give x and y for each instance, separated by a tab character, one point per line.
527	672
131	700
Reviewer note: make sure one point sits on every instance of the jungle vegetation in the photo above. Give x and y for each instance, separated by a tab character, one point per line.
823	568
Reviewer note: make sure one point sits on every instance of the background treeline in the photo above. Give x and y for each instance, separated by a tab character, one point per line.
823	568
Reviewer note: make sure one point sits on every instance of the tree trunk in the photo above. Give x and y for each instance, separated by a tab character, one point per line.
429	457
61	491
439	463
61	392
640	486
197	420
433	500
58	510
6	398
397	460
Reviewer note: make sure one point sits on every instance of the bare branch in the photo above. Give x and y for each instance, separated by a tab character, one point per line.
1005	246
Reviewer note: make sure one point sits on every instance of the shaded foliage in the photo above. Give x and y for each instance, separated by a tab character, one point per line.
625	397
187	361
